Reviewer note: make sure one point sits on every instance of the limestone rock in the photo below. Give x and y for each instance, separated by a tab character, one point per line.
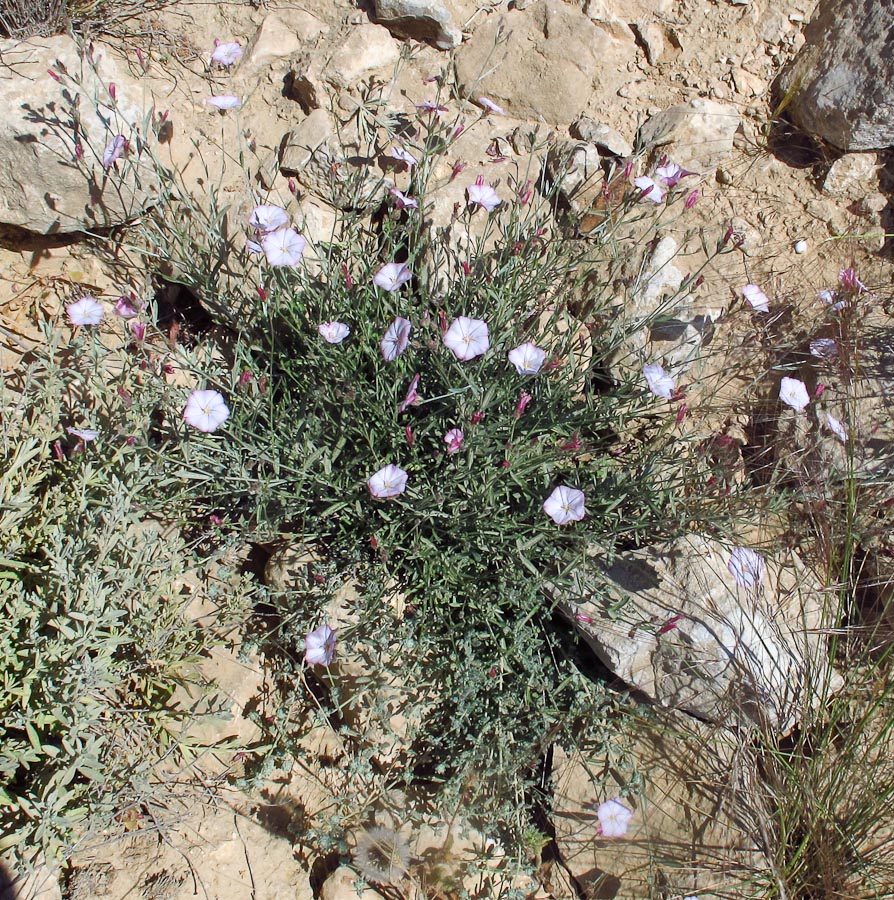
574	167
44	187
671	621
681	834
273	41
697	135
549	61
421	20
854	175
330	165
367	49
340	886
602	136
842	80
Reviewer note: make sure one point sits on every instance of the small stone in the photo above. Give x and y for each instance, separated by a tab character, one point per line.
853	175
651	39
367	49
800	247
602	136
421	20
272	41
724	177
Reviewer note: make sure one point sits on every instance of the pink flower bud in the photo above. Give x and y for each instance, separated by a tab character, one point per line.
523	400
477	417
112	89
692	199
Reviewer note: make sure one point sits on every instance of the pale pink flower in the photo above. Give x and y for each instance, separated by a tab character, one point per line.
319	646
756	298
206	410
403	156
113	151
660	383
671	174
392	276
333	332
490	106
139	330
127	307
253	247
224	102
396	339
283	247
836	426
650	189
412	397
85	434
746	566
793	392
86	311
431	107
226	53
524	398
267	218
565	504
824	348
467	338
389	481
483	194
614	818
849	280
402	201
454	440
527	359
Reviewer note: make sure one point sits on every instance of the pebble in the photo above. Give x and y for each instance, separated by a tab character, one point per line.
800	246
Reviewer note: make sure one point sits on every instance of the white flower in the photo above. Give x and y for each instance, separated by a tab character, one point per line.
671	174
756	297
319	646
225	54
614	817
836	427
396	339
206	410
793	392
283	247
565	504
490	106
392	276
333	332
651	190
85	434
224	101
402	155
86	311
389	481
824	348
527	359
483	194
467	338
660	383
268	218
746	566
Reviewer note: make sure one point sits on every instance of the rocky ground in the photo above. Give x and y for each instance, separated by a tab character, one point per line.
607	79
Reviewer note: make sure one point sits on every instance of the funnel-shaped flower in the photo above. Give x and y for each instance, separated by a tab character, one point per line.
396	339
392	276
527	359
793	392
226	53
614	817
389	481
86	311
206	410
268	217
319	646
746	566
660	383
483	194
467	338
756	298
333	332
283	247
565	504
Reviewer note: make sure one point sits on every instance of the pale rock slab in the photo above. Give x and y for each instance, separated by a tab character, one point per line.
544	62
697	135
842	80
274	40
681	834
367	49
332	166
421	20
43	187
733	656
604	137
854	175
